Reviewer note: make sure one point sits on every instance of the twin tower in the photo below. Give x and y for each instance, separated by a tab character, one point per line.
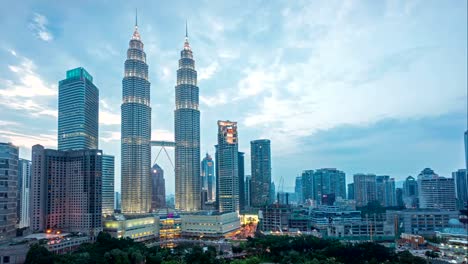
136	132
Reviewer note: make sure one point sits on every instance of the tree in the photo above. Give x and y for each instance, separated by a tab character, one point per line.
116	256
38	254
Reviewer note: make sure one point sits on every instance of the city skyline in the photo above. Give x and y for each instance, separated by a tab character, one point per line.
429	135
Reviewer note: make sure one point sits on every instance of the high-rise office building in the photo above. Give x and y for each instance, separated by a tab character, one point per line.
466	150
436	191
461	186
136	131
208	177
247	191
410	192
307	185
385	187
328	182
260	155
298	190
364	189
240	161
227	167
351	191
24	169
399	197
78	111
8	189
158	200
66	190
187	134
108	176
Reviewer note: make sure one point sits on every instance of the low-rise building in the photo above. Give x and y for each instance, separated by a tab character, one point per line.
209	224
139	227
170	226
419	221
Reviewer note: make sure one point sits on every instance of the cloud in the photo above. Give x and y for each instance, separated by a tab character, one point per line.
38	25
27	140
107	115
212	101
207	72
26	90
110	136
162	134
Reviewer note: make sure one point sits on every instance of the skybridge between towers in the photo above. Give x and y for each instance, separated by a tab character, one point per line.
163	145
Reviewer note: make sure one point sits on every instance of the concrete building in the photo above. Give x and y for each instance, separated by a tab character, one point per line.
136	130
461	186
187	133
365	190
158	200
108	176
227	167
419	221
8	190
66	191
410	193
170	225
209	225
137	227
436	191
24	173
274	218
260	155
78	111
208	177
385	187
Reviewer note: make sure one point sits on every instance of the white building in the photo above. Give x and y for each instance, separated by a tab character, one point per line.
436	191
24	169
139	228
214	225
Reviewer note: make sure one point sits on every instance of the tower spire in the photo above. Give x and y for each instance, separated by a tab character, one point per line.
186	44
186	29
136	17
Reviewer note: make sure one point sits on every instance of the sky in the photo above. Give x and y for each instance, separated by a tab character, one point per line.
362	86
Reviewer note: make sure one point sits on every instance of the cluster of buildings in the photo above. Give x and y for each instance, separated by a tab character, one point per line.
67	195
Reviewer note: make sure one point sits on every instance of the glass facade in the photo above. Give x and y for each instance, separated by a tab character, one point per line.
260	154
158	200
108	176
208	178
78	111
24	174
187	134
227	167
8	190
136	131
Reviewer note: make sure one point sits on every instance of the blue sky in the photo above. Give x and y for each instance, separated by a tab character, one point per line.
363	86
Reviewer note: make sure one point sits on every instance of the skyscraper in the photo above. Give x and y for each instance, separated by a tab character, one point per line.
307	185
208	177
385	187
247	191
78	111
66	190
240	160
260	155
24	169
436	191
298	190
466	150
410	192
351	191
461	186
328	182
136	130
365	190
399	197
158	200
108	176
187	134
8	189
227	167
